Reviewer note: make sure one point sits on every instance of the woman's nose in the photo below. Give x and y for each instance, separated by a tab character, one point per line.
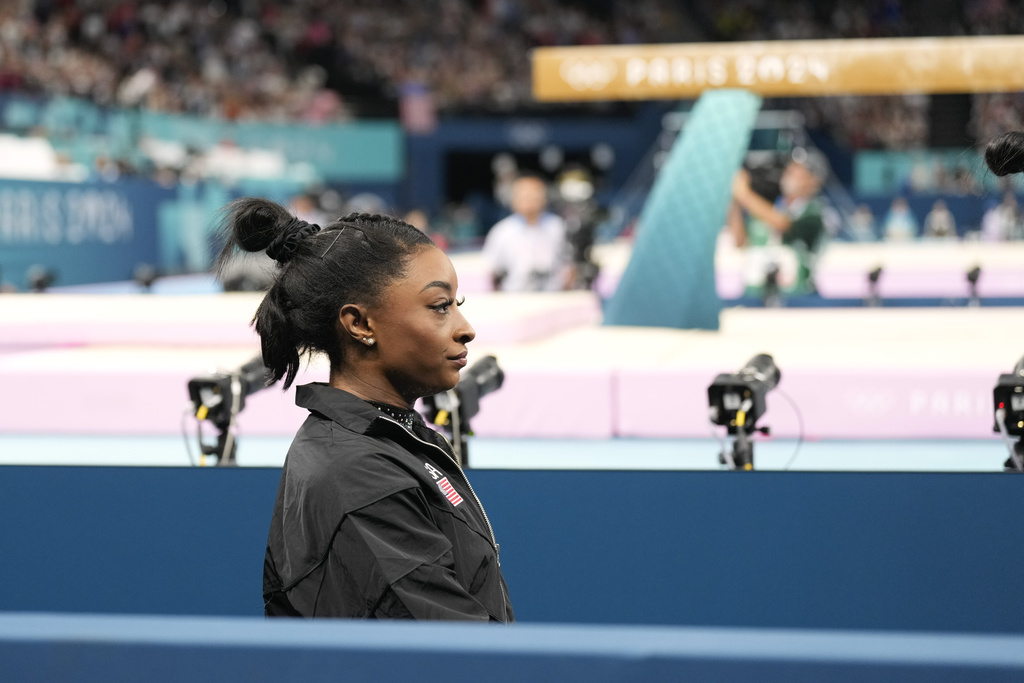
464	332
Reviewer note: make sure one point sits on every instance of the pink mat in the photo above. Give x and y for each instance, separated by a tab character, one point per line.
181	332
949	403
913	270
530	404
854	374
893	284
550	404
125	402
595	403
223	320
930	283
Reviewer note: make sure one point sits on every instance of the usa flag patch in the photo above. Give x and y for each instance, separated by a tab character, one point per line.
449	492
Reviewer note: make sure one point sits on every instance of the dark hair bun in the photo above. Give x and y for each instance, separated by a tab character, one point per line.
256	222
1005	154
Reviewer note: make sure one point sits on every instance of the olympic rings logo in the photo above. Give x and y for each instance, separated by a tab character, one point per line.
595	74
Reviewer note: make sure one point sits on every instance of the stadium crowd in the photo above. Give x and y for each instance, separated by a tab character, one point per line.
311	60
300	60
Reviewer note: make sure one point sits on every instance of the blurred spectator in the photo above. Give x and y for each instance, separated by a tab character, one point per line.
459	223
505	172
900	223
796	219
862	225
305	207
365	202
964	182
6	287
527	251
922	177
1002	221
939	224
418	219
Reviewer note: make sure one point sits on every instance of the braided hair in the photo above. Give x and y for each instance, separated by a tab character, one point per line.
351	260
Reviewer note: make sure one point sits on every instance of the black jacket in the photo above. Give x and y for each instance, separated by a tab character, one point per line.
373	520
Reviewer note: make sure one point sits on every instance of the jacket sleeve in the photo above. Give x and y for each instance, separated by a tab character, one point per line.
404	564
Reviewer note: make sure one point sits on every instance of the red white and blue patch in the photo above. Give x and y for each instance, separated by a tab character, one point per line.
449	492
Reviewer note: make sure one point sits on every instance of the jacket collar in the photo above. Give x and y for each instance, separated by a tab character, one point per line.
348	410
352	412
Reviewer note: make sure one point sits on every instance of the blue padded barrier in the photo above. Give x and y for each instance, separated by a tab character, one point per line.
877	551
111	649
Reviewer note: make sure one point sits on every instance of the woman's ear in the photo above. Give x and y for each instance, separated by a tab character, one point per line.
355	324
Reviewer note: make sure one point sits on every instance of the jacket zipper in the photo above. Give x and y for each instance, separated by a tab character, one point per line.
487	521
490	529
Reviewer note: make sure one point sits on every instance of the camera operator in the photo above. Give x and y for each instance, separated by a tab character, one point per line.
795	219
582	215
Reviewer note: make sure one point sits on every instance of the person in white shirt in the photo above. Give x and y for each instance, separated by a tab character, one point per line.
900	222
940	224
527	251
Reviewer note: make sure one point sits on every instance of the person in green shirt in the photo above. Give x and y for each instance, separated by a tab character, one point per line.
795	219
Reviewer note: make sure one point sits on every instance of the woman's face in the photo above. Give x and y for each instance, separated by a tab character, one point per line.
420	334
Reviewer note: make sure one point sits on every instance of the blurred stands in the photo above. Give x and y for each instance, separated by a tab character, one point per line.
303	61
34	159
209	101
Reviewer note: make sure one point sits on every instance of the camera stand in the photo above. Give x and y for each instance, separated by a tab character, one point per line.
457	431
223	449
218	399
742	455
1015	463
445	410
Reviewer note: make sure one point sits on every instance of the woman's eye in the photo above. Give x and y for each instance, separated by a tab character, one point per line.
444	306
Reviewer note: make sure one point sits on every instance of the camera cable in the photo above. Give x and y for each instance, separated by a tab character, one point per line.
800	426
184	435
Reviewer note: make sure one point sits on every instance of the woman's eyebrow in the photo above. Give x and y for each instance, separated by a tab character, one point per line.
438	283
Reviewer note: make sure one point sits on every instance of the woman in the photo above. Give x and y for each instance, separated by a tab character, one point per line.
374	517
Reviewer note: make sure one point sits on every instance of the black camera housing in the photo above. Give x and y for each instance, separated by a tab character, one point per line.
728	393
212	395
1008	395
452	410
725	396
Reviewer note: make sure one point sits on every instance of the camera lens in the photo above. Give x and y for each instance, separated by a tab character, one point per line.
763	369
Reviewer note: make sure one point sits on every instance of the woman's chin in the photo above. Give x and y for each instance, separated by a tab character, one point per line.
449	384
439	387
